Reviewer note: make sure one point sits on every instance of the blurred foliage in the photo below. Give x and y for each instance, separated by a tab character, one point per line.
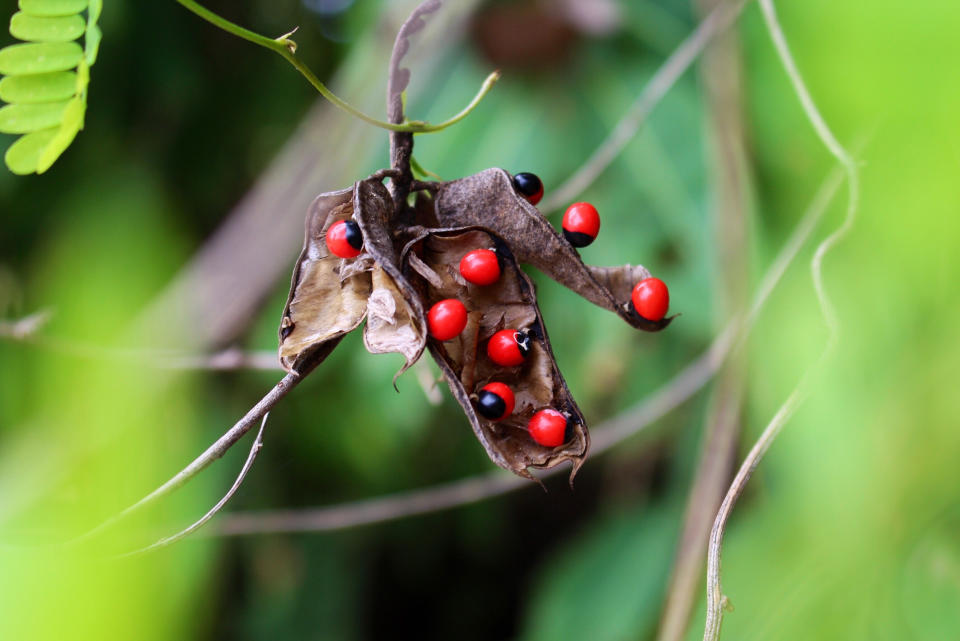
848	531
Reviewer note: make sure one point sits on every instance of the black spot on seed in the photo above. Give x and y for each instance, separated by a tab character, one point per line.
523	343
490	405
353	235
527	184
578	239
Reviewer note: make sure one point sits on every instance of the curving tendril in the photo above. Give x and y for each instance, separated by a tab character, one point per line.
46	78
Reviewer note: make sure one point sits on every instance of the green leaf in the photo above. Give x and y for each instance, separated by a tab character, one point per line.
20	60
71	125
22	119
83	77
22	156
92	43
34	29
52	8
44	87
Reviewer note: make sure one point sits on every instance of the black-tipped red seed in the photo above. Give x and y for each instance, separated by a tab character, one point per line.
651	298
549	428
495	401
581	224
344	239
529	186
508	347
446	319
480	267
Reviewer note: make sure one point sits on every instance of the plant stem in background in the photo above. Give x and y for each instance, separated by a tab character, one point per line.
715	598
720	71
665	77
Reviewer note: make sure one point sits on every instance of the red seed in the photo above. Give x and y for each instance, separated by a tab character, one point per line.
508	347
581	224
446	319
344	239
495	401
548	428
651	298
480	267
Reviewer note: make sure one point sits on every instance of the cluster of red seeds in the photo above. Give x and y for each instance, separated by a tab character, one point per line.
510	347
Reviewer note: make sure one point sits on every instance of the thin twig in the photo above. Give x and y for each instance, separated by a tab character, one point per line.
715	598
661	82
212	453
196	525
471	490
606	435
27	330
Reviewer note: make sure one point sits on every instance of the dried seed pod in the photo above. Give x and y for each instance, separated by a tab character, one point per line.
377	217
431	260
411	260
329	295
489	199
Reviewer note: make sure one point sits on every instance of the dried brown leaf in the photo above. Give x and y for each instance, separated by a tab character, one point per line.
399	77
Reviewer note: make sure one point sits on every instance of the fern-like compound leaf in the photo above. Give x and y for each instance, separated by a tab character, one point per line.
46	79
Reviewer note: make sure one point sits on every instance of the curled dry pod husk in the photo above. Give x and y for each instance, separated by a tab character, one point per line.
396	321
432	261
488	199
329	295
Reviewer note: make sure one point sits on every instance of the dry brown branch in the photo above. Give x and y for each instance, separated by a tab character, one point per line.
27	330
715	597
608	434
212	453
669	72
196	525
720	73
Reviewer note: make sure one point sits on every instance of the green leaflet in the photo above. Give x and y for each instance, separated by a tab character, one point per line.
23	119
22	156
72	123
45	87
92	45
93	11
46	79
52	8
34	29
18	60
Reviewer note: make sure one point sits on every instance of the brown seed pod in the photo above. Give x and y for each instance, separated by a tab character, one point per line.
329	295
410	261
489	200
432	259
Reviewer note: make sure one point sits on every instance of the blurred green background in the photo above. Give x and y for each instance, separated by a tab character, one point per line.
849	530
